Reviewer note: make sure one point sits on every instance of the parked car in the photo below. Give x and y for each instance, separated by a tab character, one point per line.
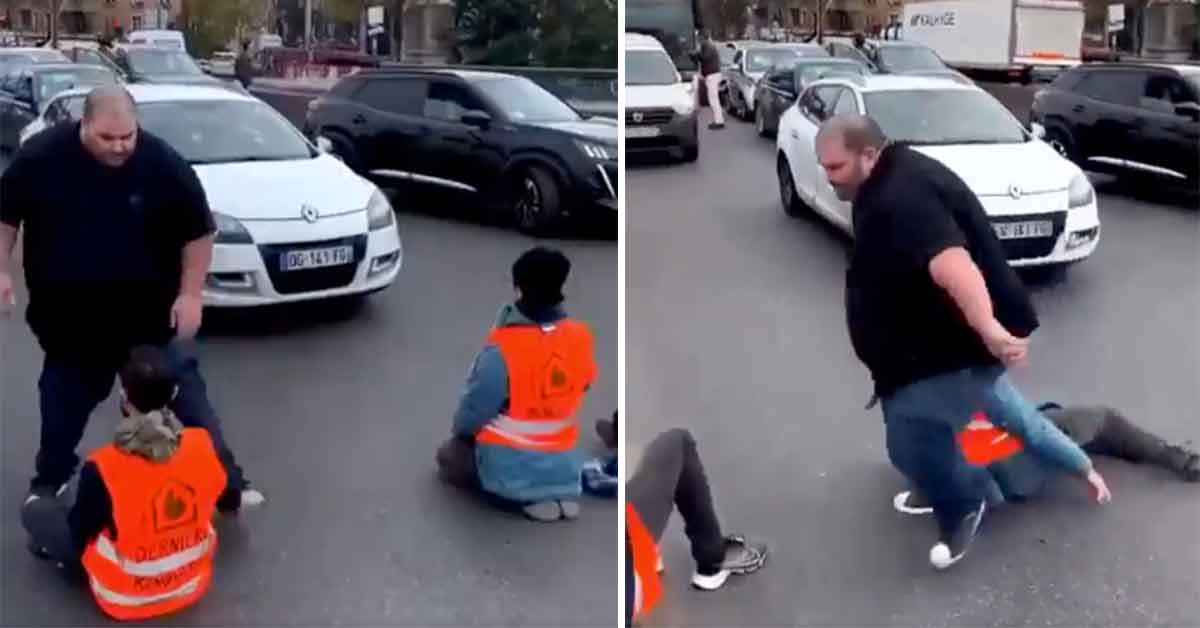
25	91
749	66
502	139
65	106
897	57
1125	118
660	109
223	63
166	66
19	57
1042	206
781	87
91	53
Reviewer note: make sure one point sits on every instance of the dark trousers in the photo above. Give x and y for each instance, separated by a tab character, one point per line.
456	463
1118	437
70	390
671	476
49	528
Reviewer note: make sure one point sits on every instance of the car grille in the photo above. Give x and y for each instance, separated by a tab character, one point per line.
1028	248
661	142
312	280
650	117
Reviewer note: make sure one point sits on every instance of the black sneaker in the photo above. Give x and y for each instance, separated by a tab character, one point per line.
741	557
912	503
716	125
45	491
953	546
606	429
1182	461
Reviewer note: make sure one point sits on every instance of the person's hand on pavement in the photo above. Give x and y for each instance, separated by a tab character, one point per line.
186	316
1099	488
1007	348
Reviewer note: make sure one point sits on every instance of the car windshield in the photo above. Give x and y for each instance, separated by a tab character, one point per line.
162	61
946	116
909	58
808	51
56	81
763	59
1194	79
224	131
810	72
523	100
649	67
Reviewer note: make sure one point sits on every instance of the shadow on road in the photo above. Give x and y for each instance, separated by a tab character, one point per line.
278	320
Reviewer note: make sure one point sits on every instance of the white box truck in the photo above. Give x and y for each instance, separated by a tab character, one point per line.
1011	36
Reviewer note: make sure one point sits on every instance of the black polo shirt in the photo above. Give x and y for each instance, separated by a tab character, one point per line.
103	246
905	327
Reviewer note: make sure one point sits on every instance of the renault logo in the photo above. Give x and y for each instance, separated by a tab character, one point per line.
309	213
1014	191
638	117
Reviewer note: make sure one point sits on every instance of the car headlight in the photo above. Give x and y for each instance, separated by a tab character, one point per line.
1080	192
684	107
230	230
599	152
379	212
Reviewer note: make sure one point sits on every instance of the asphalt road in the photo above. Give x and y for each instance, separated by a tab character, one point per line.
336	418
735	330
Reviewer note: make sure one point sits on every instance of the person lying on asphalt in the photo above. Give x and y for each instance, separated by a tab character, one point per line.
140	527
671	476
1100	430
515	431
600	474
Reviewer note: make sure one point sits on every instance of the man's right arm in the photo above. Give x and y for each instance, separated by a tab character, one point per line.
13	205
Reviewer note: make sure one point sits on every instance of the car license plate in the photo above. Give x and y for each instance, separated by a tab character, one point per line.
1021	230
316	258
640	132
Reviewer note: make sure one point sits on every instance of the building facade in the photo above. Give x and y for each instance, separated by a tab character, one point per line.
799	17
88	17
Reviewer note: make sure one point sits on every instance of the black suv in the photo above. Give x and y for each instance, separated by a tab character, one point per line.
500	137
1125	118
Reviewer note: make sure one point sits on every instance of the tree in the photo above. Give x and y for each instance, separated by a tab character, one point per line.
213	24
496	32
579	33
725	18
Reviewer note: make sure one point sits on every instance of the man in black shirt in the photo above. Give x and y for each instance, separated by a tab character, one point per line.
118	239
936	313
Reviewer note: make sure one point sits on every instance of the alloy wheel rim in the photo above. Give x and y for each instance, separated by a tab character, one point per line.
530	203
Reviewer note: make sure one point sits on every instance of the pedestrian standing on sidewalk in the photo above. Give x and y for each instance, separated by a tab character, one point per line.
936	314
115	258
243	66
710	79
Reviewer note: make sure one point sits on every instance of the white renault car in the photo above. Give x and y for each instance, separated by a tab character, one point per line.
1042	206
294	223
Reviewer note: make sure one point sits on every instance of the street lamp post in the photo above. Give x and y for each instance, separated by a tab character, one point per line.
308	29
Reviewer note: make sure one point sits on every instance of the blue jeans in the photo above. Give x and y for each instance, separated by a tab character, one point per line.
923	419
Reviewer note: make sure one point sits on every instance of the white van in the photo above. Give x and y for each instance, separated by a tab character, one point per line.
158	38
660	108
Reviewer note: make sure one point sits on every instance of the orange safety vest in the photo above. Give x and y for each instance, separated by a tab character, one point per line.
645	562
161	558
983	443
550	367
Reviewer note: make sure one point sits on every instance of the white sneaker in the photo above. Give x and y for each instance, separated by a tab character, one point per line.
40	493
252	498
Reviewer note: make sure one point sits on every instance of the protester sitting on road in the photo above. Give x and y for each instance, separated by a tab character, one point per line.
672	476
937	315
1019	473
516	428
140	526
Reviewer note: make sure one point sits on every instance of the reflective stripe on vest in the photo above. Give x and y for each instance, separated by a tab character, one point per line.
190	588
645	562
550	367
158	567
983	443
158	557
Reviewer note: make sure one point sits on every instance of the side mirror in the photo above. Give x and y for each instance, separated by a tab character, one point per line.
477	119
1188	110
1037	130
325	145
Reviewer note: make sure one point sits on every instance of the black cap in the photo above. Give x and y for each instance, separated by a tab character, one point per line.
148	379
540	274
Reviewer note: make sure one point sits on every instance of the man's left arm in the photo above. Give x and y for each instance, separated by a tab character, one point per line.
197	230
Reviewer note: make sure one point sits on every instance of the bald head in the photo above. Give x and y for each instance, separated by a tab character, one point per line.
848	147
108	100
109	129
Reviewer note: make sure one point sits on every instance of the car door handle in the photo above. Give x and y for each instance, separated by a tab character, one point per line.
359	119
1077	108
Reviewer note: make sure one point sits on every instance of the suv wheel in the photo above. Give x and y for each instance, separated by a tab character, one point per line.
537	200
1061	142
760	122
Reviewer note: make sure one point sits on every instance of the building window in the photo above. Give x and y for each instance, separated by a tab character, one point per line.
797	17
137	22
